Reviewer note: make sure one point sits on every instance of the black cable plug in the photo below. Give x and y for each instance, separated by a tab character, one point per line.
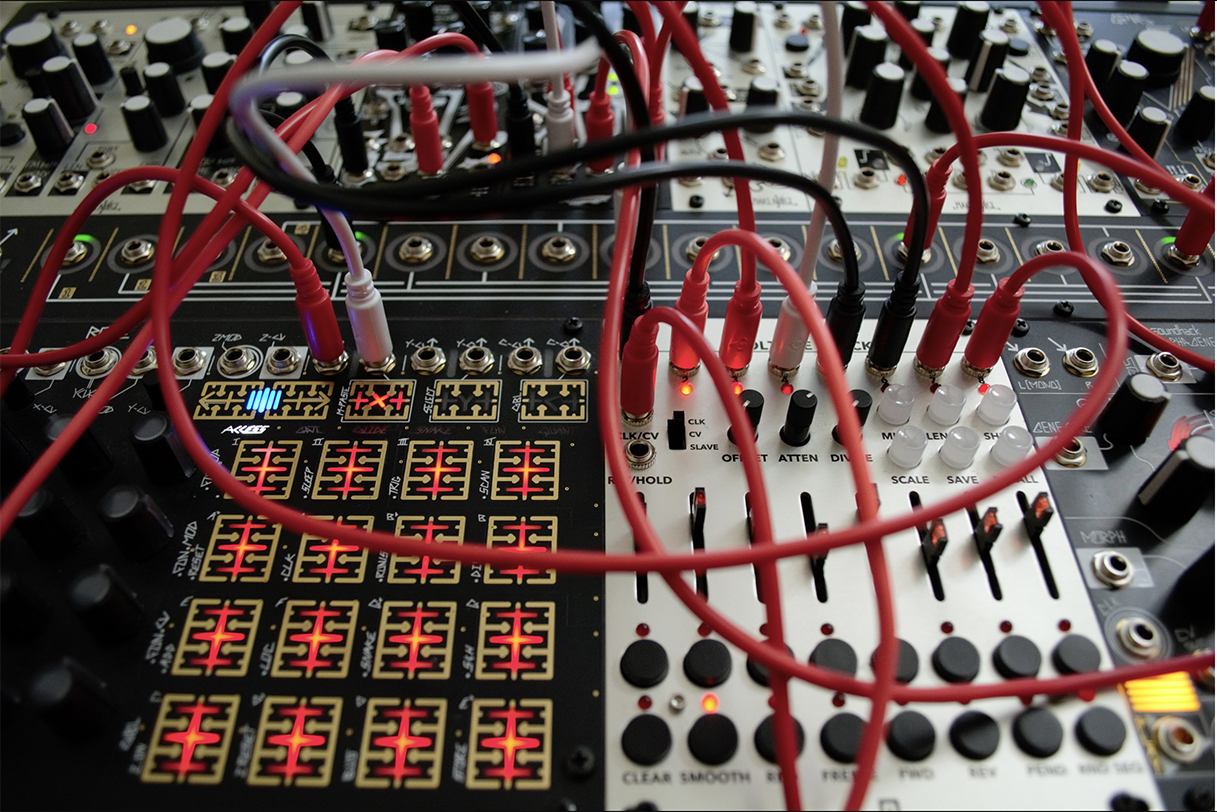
351	143
892	330
846	311
521	131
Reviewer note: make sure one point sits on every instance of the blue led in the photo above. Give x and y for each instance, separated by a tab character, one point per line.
263	400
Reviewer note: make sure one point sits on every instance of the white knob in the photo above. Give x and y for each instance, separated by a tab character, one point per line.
959	449
908	445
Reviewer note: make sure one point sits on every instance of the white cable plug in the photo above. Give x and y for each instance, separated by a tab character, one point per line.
366	310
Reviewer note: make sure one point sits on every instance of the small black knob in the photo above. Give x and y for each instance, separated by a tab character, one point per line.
990	55
50	529
174	41
743	26
882	101
926	30
753	403
1196	120
909	9
198	108
762	92
1124	89
22	615
163	89
317	19
693	97
796	431
87	460
1149	128
235	33
133	85
862	405
215	68
50	130
1004	107
1161	52
144	124
713	739
420	19
138	526
920	88
73	701
159	449
31	44
1101	58
797	43
106	605
1134	410
1182	483
910	736
708	663
853	16
391	35
68	86
870	46
257	10
91	55
970	20
644	664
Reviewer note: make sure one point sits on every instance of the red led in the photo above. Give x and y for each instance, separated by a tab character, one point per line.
704	630
787	388
826	630
1086	695
1064	625
838	700
737	387
947	627
901	180
983	388
1007	626
90	128
644	702
642	629
686	388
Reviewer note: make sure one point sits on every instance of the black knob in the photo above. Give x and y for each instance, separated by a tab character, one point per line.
1004	107
1191	600
989	56
420	19
133	85
174	41
50	529
257	10
690	13
882	100
926	30
646	740
215	68
853	16
796	431
106	605
1134	410
870	46
235	32
1148	129
138	526
144	124
797	43
970	20
762	92
1101	58
743	26
644	664
1196	120
693	97
22	615
198	108
317	18
708	663
93	60
1161	52
87	460
909	9
73	701
391	35
936	117
754	404
51	132
1124	89
862	403
289	102
163	89
920	88
68	86
31	44
713	739
1182	483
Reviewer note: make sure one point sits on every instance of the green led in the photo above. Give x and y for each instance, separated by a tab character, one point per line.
613	90
900	236
1167	240
359	235
1029	183
85	238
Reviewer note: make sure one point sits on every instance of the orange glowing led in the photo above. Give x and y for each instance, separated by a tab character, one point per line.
737	387
686	388
709	703
493	158
130	30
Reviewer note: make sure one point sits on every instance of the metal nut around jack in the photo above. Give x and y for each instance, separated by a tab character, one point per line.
1072	455
573	360
559	249
1117	253
415	249
476	360
1207	160
524	360
781	246
1060	111
1192	181
640	454
771	152
141	185
487	250
1042	91
1032	362
1138	638
987	252
796	70
836	255
76	253
69	182
1164	366
1001	180
1102	182
810	87
866	178
27	182
99	363
1181	259
188	360
1049	247
1177	739
282	361
146	363
960	180
1081	361
427	360
270	254
693	248
1112	569
99	159
934	154
224	177
400	143
238	361
1011	156
393	170
1040	74
136	252
753	65
1145	189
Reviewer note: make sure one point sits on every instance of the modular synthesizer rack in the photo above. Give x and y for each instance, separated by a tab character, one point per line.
167	643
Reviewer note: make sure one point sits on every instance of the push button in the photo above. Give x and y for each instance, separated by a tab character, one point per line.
644	664
975	735
956	660
1037	732
646	739
713	739
708	663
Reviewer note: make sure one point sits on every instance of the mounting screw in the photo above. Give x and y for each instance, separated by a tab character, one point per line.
1022	220
697	201
581	762
1021	328
969	327
1160	206
1114	206
1063	308
573	325
1127	803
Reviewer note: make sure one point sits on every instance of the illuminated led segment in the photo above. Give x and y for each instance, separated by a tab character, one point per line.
241	548
217	638
295	743
509	744
267	467
249	400
350	469
438	470
190	741
524	534
515	641
525	471
225	400
384	401
553	401
315	639
403	744
409	569
330	561
263	400
415	640
469	401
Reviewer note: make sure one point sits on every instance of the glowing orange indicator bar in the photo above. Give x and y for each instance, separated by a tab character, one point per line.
1169	693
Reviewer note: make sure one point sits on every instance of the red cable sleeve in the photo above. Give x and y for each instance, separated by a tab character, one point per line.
1197	229
424	125
483	118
